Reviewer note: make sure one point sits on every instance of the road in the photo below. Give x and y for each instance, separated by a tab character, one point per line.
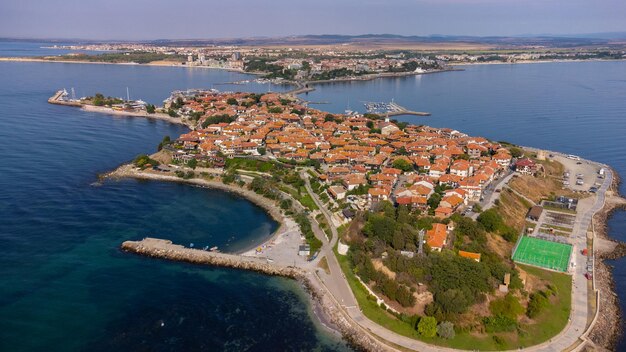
340	290
492	193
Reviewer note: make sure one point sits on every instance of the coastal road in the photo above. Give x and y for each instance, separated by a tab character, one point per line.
340	290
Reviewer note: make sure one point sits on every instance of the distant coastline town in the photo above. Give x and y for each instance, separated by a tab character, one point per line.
307	64
411	236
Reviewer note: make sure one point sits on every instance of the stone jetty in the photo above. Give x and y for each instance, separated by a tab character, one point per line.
165	249
57	99
323	301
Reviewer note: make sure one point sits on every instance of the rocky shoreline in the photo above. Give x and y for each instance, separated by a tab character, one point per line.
607	329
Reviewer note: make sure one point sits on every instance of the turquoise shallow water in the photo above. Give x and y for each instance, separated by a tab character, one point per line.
66	286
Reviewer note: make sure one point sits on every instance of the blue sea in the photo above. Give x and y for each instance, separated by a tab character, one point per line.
66	286
15	48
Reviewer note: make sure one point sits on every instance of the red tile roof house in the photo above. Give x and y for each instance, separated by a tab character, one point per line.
353	181
503	159
437	237
443	212
525	166
472	187
451	201
461	168
377	194
437	171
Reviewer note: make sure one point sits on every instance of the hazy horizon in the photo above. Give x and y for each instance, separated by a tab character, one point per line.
145	20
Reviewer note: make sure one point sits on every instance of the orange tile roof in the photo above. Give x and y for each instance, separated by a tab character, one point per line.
436	236
470	255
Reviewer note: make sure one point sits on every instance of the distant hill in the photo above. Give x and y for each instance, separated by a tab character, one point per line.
338	39
548	40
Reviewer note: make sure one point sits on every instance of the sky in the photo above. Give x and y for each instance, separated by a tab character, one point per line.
196	19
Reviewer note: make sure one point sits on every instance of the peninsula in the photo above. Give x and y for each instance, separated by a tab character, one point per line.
408	237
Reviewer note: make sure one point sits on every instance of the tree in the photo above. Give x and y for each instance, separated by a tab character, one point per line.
491	220
427	327
192	163
403	165
144	160
381	227
536	304
261	150
172	113
508	306
166	140
98	99
150	109
231	101
445	330
275	110
434	200
454	301
516	152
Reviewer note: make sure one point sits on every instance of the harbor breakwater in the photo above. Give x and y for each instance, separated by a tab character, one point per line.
323	301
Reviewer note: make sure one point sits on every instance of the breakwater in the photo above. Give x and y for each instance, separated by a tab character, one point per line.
57	99
165	249
322	300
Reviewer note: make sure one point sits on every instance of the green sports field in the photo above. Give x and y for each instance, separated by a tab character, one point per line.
542	253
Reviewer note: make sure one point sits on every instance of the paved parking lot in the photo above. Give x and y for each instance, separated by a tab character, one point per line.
588	171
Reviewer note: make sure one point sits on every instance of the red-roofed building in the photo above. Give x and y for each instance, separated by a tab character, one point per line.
437	237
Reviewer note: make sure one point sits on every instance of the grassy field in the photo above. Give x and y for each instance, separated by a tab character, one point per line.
549	323
542	253
307	201
554	318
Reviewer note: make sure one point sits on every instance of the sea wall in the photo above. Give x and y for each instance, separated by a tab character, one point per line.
322	300
607	329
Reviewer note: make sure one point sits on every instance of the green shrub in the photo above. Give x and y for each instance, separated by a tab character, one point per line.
445	330
427	327
499	323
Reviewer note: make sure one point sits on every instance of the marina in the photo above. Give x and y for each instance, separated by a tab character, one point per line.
390	109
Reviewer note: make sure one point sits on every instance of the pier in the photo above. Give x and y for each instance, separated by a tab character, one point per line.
59	99
165	249
391	109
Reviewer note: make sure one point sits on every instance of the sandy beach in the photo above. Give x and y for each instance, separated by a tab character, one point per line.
153	63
